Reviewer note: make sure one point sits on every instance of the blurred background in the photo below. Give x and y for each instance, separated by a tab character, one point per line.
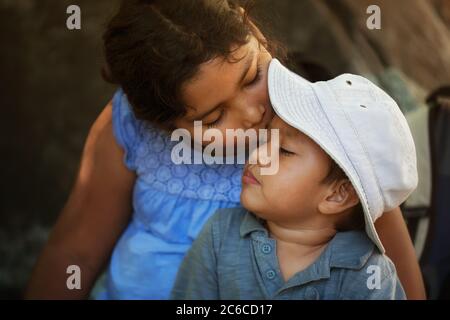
51	91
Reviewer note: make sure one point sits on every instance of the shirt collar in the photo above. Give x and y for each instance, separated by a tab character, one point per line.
251	223
349	250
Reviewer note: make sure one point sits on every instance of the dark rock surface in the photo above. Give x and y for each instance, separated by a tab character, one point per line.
50	93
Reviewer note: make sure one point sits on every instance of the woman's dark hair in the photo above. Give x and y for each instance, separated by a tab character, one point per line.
152	47
309	68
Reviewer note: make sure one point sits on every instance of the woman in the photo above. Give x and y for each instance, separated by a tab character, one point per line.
176	62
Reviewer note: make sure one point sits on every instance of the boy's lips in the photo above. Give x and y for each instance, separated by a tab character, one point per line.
249	178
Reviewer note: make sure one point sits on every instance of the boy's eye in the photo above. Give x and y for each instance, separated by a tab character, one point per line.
286	152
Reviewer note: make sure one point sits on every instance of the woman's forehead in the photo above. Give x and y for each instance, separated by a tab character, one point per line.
217	80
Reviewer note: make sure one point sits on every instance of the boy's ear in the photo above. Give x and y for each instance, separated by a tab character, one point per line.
339	197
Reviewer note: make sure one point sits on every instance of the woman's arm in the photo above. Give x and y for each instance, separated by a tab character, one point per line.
92	220
391	228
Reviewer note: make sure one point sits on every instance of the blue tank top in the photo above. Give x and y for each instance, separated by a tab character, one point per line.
170	205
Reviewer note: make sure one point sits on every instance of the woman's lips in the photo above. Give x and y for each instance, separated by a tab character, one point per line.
249	178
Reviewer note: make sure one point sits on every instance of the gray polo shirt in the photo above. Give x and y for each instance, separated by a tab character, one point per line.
234	258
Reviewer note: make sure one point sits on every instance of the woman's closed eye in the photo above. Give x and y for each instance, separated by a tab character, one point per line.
286	152
215	122
258	76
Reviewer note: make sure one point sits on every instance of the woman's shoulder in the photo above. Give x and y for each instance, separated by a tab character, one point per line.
137	137
128	128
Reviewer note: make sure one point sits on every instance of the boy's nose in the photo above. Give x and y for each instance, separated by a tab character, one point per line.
260	156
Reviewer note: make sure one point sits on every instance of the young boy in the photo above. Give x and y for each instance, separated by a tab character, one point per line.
346	155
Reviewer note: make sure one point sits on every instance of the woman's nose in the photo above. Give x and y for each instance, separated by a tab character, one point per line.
253	115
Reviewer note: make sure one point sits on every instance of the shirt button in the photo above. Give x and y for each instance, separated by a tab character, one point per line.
311	294
266	248
270	274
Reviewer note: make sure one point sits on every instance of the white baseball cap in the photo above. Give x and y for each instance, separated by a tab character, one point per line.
360	127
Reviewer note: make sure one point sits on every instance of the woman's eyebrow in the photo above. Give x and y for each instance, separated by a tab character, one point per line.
247	66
